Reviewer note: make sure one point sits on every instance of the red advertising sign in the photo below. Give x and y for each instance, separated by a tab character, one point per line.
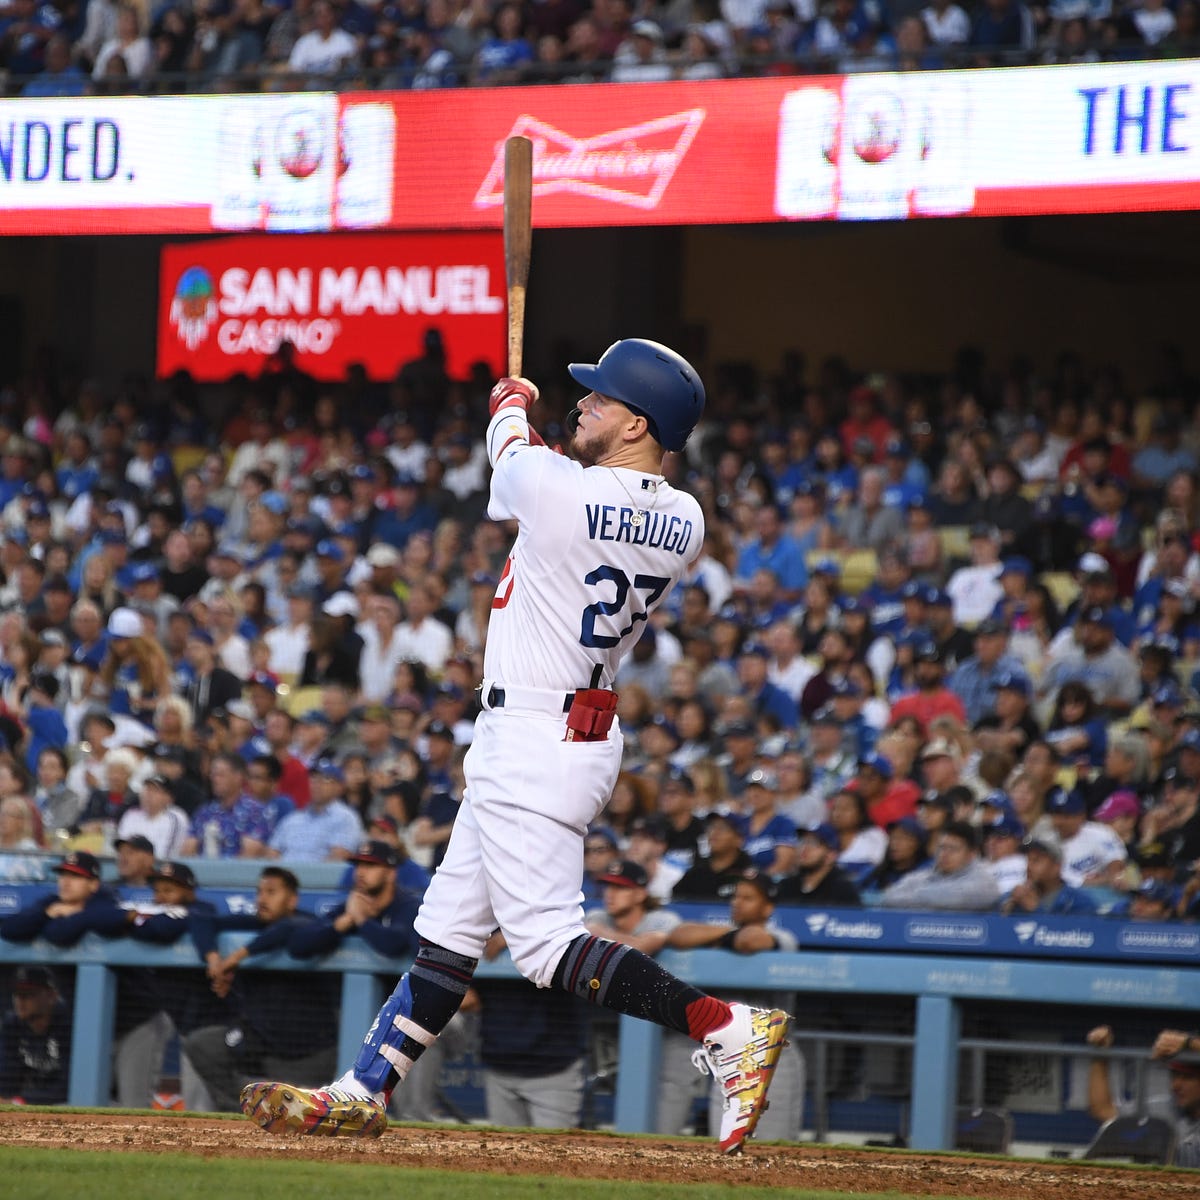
226	305
633	154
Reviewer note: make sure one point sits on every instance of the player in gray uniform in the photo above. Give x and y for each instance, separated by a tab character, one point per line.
602	538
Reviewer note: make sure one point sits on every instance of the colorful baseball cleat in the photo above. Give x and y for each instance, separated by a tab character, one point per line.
741	1056
315	1112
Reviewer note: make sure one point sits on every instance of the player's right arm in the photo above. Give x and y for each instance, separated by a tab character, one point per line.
518	455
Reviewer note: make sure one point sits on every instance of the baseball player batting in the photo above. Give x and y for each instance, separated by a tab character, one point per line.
601	542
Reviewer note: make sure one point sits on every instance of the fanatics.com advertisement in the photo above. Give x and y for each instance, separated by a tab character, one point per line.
226	305
1090	138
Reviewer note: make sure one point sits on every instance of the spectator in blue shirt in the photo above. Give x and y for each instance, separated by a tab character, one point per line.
975	680
47	729
775	550
59	77
1153	465
326	828
768	700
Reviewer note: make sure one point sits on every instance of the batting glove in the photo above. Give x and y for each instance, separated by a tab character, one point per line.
511	393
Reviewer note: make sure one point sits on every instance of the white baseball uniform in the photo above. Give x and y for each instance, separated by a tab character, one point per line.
597	550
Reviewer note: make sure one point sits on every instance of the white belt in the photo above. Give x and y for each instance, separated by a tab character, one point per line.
548	701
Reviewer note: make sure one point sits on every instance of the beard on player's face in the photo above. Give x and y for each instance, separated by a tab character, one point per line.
594	446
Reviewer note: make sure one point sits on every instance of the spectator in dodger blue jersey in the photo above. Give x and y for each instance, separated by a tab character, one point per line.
231	825
47	729
885	594
768	699
775	550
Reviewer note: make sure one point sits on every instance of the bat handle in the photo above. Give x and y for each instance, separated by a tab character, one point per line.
516	328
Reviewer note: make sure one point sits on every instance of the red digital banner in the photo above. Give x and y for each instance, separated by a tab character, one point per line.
629	154
226	305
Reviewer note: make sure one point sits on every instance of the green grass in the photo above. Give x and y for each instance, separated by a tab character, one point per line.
33	1174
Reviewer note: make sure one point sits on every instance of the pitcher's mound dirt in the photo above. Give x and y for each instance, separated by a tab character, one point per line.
602	1156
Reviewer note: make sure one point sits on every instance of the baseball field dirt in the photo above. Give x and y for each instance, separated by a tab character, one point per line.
610	1157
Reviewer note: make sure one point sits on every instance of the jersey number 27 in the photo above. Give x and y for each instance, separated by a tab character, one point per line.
650	587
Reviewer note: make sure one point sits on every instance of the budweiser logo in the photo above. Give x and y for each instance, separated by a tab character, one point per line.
631	166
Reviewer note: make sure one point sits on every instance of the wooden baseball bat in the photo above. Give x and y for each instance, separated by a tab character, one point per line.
518	240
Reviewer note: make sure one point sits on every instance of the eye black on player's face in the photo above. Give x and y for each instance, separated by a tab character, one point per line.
598	432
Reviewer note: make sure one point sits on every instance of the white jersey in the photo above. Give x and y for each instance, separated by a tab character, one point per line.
1094	846
585	572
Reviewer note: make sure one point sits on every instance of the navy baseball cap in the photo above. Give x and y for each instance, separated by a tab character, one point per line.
846	687
32	978
823	832
1017	565
328	768
79	862
1014	681
736	821
1005	826
939	598
1157	890
1060	800
624	873
910	825
997	798
755	649
825	716
653	826
603	832
877	762
377	853
914	589
1096	615
676	776
990	626
143	572
137	841
326	548
177	872
1189	740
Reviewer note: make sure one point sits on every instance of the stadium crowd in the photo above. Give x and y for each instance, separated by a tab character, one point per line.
939	651
938	627
113	47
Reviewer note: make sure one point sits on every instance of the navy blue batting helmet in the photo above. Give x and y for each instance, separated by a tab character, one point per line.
650	380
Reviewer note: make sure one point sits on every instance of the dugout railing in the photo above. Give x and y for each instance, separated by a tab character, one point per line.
937	986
